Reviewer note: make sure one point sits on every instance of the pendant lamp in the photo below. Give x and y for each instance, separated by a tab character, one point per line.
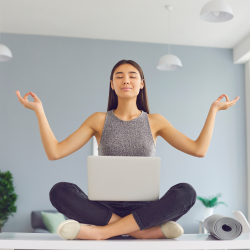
169	62
5	53
216	11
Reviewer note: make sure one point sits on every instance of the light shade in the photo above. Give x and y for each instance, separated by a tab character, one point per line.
216	11
5	53
169	63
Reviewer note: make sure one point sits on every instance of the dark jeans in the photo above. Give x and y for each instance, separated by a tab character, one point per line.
71	201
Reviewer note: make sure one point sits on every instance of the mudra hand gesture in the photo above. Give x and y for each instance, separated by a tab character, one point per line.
224	105
35	105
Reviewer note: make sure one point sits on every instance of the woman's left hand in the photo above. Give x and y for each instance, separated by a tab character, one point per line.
224	105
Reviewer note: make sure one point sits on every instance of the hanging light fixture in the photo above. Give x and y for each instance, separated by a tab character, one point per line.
5	53
216	11
169	62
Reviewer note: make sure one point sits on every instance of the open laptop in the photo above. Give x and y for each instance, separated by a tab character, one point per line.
123	178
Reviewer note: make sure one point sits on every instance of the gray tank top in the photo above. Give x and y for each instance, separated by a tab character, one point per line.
126	138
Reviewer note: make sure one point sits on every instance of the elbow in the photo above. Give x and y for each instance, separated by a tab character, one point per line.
52	158
201	155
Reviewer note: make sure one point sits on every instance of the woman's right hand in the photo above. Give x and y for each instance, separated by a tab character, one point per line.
35	105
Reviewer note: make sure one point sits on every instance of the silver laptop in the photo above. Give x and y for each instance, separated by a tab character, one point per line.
123	178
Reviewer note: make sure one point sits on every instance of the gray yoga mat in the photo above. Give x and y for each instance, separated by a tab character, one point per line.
222	227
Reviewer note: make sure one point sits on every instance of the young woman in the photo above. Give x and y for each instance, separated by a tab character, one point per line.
126	129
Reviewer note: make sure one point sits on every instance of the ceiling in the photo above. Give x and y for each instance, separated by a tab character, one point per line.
126	20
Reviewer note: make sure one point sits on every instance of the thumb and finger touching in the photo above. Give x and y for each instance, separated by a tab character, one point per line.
24	100
227	104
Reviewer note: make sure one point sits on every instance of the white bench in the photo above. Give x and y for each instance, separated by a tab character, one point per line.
9	240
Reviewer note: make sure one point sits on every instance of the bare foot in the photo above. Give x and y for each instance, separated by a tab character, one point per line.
89	232
150	233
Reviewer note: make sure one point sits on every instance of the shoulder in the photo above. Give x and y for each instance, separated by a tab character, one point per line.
155	117
96	119
101	115
158	121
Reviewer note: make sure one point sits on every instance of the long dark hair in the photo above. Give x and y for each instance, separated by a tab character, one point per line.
142	98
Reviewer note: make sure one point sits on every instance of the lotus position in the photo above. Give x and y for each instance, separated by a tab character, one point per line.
126	129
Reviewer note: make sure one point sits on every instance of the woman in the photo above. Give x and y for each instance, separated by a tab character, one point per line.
126	128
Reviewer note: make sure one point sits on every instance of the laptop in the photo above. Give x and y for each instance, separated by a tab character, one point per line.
123	178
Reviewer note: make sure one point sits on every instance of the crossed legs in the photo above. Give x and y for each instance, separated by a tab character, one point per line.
71	201
119	226
150	233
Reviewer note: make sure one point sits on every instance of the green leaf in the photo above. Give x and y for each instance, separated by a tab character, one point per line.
7	197
210	202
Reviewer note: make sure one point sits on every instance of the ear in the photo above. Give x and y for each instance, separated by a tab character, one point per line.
142	84
111	84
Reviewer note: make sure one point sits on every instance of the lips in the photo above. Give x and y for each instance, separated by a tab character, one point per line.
126	88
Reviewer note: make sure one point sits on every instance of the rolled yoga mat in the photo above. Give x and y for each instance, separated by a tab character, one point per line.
223	228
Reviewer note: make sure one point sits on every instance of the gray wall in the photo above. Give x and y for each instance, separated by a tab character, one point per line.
71	78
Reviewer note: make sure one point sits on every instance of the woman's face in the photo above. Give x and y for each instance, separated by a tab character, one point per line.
126	75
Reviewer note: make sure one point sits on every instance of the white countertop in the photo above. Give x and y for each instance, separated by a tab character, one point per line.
10	240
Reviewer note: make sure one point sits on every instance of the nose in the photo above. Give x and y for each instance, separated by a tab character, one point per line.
126	80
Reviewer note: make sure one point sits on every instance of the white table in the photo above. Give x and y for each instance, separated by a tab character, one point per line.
9	240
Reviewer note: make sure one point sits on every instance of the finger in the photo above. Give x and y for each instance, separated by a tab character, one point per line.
232	103
19	96
18	93
33	95
235	100
226	97
220	97
26	96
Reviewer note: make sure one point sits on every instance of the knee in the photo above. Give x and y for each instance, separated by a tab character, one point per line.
189	192
57	190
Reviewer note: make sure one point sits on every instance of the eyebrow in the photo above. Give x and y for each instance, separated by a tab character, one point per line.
128	72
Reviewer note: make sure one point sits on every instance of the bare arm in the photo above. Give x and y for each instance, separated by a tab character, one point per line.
49	141
200	146
177	139
205	136
56	150
77	139
53	148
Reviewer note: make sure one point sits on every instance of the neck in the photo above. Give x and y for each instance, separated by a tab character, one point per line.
127	114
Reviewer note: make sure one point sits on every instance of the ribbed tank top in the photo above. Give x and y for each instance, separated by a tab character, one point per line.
126	138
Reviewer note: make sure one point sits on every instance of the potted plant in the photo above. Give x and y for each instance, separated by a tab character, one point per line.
209	204
7	197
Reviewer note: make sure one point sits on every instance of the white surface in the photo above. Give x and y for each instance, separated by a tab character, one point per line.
201	225
95	147
208	211
241	52
126	20
169	62
186	241
5	53
247	98
216	11
242	219
140	178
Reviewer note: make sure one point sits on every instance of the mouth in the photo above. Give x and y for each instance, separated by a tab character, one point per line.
126	88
